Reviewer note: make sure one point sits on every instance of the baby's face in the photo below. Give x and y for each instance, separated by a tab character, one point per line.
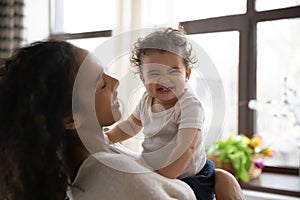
164	75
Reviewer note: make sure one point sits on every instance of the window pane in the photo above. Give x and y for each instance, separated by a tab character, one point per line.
262	5
89	44
278	87
223	49
174	11
84	16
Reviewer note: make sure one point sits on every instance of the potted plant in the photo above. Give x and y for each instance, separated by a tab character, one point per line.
240	155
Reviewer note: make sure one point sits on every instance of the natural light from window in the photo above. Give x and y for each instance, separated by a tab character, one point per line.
278	89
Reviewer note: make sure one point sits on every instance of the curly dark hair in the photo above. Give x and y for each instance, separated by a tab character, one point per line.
164	40
35	97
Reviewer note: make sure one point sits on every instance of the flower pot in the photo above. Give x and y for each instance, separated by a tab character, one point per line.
223	165
256	166
253	171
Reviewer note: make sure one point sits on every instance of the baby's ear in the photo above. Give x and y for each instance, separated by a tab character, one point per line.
188	73
142	78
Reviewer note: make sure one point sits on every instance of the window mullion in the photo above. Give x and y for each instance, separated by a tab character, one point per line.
247	71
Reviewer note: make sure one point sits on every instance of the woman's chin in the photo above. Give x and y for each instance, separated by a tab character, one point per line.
117	116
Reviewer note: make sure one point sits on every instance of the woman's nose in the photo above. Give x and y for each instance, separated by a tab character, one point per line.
113	82
116	83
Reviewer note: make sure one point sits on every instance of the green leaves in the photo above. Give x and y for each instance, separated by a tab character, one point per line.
236	152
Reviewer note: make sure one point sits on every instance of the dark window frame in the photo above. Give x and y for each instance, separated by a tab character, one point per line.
246	24
82	35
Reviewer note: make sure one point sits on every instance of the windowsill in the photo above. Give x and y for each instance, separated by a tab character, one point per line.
275	183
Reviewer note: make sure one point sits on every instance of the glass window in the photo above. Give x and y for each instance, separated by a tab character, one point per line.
89	44
278	89
223	49
35	28
83	16
174	11
262	5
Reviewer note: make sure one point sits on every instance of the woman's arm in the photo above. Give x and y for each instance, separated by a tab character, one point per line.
186	143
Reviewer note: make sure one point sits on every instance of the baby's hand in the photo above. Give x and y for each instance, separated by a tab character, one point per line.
105	129
106	139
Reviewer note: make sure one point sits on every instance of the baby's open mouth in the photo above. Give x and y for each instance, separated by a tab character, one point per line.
164	89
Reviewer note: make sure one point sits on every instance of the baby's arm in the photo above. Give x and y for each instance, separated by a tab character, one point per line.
186	143
124	130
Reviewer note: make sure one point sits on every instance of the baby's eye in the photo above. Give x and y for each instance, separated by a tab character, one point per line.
174	71
152	74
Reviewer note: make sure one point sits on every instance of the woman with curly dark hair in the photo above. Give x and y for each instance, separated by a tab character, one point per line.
35	96
35	100
41	154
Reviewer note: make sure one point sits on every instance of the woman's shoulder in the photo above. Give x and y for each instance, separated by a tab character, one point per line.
117	176
99	161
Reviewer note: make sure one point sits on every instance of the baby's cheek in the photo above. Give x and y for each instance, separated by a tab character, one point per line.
180	84
179	81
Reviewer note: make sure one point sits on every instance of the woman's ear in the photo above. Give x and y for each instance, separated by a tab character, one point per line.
69	123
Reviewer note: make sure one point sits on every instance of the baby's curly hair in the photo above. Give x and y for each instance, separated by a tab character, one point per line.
163	40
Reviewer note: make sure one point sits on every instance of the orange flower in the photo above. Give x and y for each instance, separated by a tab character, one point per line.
267	152
255	142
